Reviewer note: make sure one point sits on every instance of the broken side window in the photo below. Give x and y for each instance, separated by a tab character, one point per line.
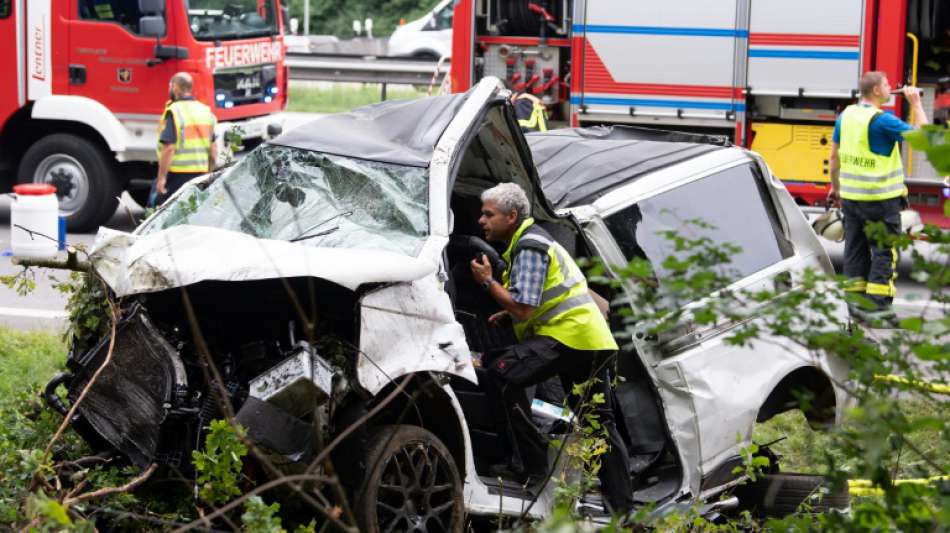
316	199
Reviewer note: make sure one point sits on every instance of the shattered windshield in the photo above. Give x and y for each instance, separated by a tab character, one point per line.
315	199
231	19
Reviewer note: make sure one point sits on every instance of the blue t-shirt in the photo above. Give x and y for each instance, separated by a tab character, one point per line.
884	131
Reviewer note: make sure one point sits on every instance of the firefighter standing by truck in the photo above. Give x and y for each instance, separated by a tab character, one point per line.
186	147
561	332
867	180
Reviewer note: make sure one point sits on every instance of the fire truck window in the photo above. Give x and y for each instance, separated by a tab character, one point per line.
124	12
231	19
727	208
6	7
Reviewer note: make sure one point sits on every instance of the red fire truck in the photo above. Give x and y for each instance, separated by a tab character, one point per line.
771	74
87	81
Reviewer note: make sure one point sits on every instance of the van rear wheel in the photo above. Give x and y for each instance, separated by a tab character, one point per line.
411	483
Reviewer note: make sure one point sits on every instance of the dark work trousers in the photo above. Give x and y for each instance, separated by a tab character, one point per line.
173	182
870	265
539	358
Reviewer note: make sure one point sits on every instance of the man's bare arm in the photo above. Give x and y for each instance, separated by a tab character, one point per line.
212	156
164	162
834	169
519	311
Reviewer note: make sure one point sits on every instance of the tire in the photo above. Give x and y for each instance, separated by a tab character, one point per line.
84	176
140	196
784	494
402	490
425	55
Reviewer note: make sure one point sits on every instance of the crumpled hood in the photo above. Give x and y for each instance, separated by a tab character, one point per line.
184	255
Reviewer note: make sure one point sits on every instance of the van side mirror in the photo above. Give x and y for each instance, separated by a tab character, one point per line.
152	26
155	7
430	24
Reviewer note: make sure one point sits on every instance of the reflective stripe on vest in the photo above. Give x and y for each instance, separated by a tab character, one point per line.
194	123
566	313
865	175
536	121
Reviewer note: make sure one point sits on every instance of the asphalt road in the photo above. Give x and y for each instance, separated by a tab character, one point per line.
43	309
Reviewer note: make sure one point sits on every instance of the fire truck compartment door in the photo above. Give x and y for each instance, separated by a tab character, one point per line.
658	59
806	48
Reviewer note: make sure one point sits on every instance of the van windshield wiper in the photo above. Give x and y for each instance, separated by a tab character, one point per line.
304	234
318	234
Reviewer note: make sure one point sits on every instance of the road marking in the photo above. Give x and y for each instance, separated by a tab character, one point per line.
32	313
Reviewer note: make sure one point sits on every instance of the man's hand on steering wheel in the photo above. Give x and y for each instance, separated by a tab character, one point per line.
481	269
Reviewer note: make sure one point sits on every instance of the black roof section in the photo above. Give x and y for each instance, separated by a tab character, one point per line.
402	132
579	165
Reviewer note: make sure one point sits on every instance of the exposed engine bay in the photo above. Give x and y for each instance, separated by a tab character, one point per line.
156	394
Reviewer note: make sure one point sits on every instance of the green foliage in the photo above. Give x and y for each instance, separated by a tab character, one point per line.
25	428
26	358
24	282
342	97
49	515
754	465
219	464
935	142
88	306
259	517
882	440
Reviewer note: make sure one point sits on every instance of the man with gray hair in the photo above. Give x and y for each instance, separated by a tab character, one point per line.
560	331
186	146
867	180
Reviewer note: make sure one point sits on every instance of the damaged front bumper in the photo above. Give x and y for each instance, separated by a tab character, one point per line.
145	403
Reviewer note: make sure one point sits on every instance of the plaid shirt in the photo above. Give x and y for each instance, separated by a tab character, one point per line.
528	273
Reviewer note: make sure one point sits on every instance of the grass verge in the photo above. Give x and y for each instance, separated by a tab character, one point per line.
28	358
800	449
342	97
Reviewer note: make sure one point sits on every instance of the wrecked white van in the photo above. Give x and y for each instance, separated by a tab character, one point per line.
327	273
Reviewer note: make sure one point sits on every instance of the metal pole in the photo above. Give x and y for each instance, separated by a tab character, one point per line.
384	91
306	17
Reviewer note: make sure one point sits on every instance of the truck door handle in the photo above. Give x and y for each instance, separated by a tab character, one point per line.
77	74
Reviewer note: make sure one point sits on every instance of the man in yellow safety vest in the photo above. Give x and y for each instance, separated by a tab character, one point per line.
867	180
186	147
561	332
530	112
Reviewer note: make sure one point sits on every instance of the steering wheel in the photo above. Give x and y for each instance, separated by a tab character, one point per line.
477	246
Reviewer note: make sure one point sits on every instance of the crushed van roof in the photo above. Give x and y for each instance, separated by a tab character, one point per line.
401	132
579	165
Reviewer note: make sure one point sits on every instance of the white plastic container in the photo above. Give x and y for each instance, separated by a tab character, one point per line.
35	209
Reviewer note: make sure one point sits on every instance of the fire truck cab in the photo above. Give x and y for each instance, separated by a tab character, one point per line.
87	81
770	74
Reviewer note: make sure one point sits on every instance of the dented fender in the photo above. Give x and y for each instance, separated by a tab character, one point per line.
410	327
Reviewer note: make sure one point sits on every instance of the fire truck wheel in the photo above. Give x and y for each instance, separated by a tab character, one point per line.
83	174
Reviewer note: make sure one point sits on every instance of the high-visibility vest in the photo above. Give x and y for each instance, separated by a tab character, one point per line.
866	176
194	124
104	11
567	313
536	121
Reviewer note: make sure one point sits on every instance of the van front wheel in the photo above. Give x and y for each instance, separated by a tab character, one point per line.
411	484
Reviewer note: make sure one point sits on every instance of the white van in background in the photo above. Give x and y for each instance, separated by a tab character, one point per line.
427	37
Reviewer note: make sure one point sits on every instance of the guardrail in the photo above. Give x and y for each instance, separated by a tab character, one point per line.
370	69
